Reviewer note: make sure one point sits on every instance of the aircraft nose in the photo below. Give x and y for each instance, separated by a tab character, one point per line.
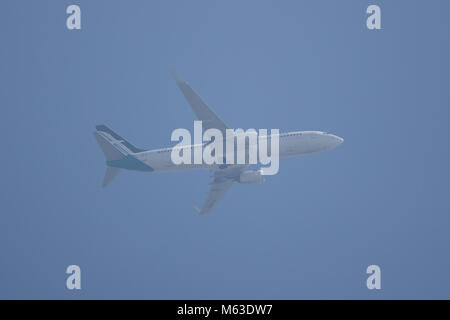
339	140
336	140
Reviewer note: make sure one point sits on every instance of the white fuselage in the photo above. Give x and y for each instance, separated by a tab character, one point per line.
291	144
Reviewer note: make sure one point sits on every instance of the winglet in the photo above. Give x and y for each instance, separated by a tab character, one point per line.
197	209
174	75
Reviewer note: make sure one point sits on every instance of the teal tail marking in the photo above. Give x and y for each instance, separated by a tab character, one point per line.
131	163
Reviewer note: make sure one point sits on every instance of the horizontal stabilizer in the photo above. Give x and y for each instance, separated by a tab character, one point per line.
110	174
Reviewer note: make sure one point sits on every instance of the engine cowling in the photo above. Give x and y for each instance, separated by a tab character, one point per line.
251	177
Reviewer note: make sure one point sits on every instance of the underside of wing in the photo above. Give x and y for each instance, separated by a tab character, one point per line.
222	182
216	193
223	178
200	108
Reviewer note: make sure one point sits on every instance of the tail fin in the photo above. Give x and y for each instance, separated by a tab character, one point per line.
115	148
114	138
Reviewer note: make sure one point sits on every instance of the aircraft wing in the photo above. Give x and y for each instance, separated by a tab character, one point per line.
222	182
216	193
200	108
223	178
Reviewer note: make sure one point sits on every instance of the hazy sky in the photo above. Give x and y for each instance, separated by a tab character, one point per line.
308	232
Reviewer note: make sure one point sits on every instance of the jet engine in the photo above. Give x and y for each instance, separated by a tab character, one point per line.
251	177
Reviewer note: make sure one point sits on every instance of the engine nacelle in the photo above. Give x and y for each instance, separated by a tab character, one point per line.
251	177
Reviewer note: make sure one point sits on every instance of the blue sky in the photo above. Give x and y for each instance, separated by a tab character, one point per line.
308	232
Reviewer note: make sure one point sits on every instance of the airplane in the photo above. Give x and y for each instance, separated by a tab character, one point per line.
121	154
